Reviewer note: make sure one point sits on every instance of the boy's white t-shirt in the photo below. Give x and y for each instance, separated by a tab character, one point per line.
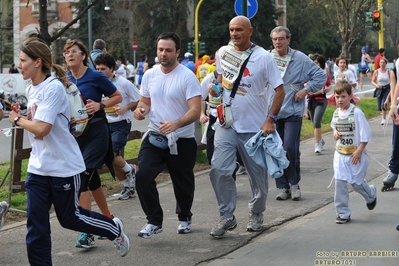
130	93
169	94
58	154
250	104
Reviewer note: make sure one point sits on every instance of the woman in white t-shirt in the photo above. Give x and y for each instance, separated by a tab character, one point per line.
55	162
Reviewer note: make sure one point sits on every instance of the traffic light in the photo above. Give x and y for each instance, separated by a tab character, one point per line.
369	21
376	20
190	47
202	46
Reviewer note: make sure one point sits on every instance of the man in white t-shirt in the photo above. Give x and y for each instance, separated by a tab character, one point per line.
171	100
250	112
119	123
131	71
123	70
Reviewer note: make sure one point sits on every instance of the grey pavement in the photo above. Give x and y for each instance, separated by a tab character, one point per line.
295	232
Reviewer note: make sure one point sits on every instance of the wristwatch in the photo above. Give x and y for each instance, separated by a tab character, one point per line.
16	119
274	117
102	106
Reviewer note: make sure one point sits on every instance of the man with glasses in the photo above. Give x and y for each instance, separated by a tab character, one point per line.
301	76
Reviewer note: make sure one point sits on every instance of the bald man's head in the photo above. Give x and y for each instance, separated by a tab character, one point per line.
240	32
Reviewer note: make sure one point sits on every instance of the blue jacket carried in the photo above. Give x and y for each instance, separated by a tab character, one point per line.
268	152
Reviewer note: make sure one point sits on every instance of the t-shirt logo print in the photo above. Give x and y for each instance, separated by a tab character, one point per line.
246	73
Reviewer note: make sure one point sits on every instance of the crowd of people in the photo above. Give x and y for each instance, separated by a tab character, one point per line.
172	95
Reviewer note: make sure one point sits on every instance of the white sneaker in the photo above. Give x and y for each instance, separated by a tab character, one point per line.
184	227
295	192
322	143
150	229
383	121
283	194
241	170
255	222
121	243
318	147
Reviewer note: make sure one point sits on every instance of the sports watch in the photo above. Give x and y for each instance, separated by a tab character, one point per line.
274	117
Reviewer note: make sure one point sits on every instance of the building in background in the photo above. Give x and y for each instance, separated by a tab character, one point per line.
26	24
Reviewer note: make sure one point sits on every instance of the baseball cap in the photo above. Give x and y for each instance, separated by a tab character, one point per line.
187	55
364	48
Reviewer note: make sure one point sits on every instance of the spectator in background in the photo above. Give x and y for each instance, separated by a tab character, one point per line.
202	70
381	81
190	64
123	70
157	63
199	62
343	73
141	69
132	71
317	104
354	71
365	60
186	58
377	58
13	69
99	47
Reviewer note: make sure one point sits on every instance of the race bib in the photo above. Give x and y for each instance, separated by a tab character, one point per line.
231	62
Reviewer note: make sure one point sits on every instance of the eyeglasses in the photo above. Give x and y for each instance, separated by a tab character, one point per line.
72	52
280	39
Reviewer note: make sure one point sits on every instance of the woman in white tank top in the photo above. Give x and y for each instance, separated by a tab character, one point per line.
381	81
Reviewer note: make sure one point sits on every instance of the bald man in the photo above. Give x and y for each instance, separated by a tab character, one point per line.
251	114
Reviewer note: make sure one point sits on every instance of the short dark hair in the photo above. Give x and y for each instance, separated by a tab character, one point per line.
170	36
143	57
106	60
381	50
321	59
99	44
342	58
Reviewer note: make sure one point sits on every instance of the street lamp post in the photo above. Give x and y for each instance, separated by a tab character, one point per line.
196	29
90	26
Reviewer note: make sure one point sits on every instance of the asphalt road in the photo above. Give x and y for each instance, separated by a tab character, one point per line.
296	232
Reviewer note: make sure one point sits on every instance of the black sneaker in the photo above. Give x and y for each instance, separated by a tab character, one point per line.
340	220
371	205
